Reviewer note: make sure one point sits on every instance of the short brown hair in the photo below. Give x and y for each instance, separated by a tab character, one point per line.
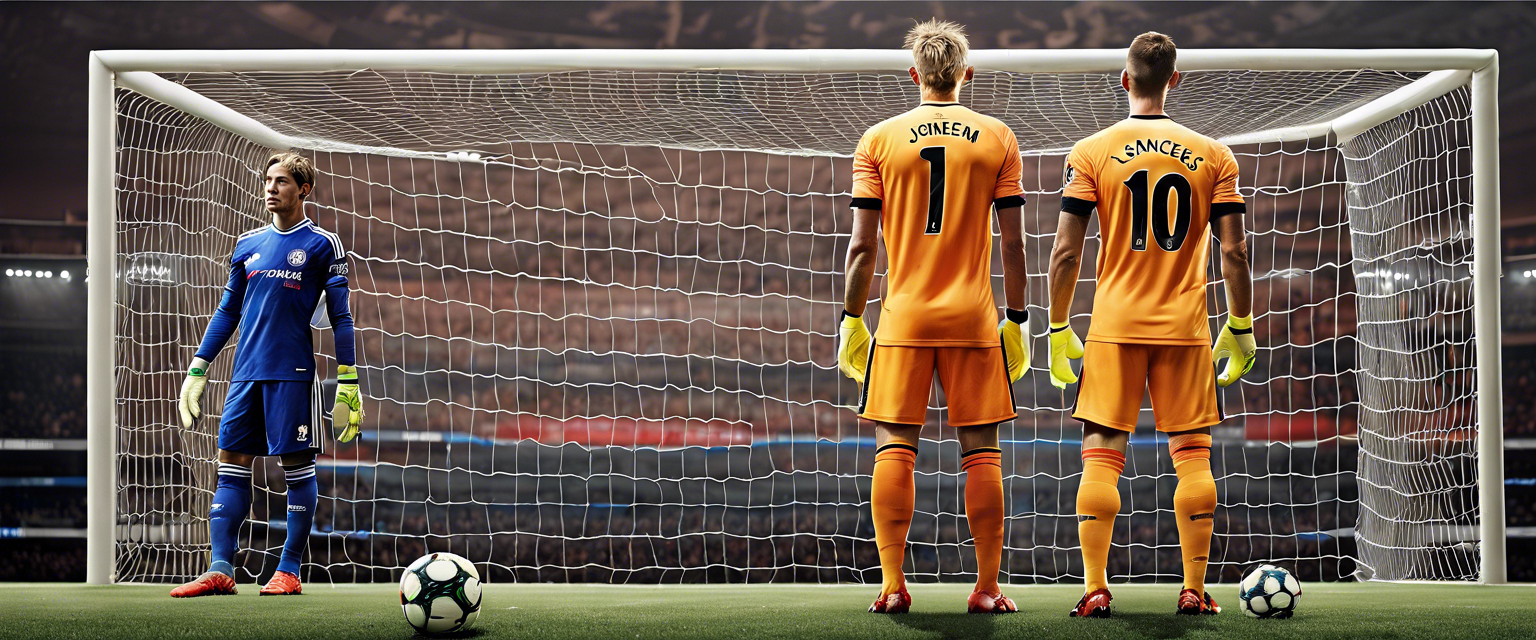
1150	63
940	52
302	170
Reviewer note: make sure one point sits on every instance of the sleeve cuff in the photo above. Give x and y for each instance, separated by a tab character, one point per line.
1009	201
1078	206
866	203
1220	209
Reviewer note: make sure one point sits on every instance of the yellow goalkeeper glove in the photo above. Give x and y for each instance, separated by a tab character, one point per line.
190	403
853	347
1014	330
1236	344
1065	345
347	415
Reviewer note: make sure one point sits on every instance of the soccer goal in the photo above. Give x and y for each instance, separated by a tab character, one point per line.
596	296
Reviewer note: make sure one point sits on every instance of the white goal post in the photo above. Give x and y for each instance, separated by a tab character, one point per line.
1434	74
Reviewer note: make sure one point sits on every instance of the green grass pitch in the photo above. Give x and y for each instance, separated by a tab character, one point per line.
798	612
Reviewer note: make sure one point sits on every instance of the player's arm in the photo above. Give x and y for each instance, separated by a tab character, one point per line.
1079	197
1236	342
347	413
853	339
225	319
1008	201
1066	264
859	271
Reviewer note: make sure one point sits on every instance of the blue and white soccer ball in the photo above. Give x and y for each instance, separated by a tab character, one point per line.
440	593
1269	592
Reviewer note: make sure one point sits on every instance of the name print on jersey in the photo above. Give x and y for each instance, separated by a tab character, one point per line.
946	128
1166	147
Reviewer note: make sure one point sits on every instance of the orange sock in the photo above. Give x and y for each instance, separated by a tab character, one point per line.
1194	503
890	504
1098	502
984	511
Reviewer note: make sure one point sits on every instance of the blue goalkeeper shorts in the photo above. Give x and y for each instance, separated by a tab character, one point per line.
271	418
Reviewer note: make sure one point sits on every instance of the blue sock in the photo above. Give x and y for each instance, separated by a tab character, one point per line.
302	496
231	503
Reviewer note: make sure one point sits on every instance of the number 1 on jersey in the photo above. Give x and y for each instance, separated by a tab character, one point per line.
935	158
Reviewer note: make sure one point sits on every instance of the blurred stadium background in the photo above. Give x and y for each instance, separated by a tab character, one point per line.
42	182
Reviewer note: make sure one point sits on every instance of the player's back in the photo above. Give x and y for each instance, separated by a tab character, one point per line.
1157	185
935	172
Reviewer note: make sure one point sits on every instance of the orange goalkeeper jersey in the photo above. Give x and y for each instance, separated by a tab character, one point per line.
934	173
1157	186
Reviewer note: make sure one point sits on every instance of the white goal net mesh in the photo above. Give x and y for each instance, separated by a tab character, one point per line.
604	351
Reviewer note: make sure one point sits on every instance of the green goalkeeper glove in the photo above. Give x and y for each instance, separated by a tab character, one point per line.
347	415
1015	334
1236	344
190	403
853	347
1065	346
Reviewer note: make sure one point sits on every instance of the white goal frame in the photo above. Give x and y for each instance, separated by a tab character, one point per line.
139	70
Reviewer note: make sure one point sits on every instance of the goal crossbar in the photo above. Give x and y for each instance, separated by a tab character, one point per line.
1447	69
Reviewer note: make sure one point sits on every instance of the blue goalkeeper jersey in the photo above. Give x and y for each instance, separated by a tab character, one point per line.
276	282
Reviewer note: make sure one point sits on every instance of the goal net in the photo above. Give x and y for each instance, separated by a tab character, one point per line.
602	347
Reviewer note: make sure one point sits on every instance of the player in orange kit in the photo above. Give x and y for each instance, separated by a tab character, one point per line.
928	181
1156	186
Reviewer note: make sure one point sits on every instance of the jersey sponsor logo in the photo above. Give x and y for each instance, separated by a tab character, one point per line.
254	257
280	273
296	257
298	507
303	433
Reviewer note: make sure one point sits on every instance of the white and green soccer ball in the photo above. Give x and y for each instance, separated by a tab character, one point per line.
440	593
1269	592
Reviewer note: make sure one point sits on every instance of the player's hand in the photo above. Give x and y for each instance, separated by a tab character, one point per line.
852	347
1014	330
1236	344
1065	346
347	415
190	403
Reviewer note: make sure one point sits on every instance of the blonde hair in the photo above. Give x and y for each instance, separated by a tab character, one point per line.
302	170
1150	63
940	53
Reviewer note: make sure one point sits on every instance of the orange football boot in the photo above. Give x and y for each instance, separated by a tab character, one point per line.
212	583
994	602
1093	605
1191	604
898	602
283	584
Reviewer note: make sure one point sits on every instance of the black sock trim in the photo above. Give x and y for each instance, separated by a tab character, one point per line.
896	445
980	450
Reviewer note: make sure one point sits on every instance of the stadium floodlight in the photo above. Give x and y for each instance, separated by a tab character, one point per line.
11	272
64	275
597	291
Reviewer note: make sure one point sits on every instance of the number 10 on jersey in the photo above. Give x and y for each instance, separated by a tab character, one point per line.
1167	239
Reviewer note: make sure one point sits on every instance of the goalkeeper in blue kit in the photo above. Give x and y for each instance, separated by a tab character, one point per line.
277	275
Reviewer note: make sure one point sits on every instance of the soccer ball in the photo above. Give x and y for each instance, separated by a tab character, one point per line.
1269	592
440	593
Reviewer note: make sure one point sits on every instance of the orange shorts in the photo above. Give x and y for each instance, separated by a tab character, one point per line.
975	381
1182	379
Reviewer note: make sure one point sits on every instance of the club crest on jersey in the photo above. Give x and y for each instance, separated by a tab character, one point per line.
296	257
303	433
1068	174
